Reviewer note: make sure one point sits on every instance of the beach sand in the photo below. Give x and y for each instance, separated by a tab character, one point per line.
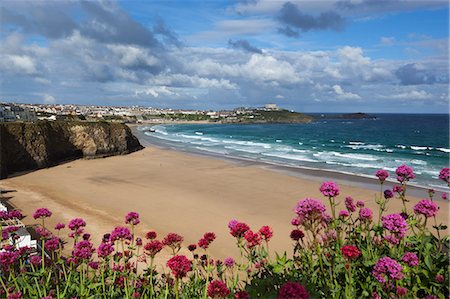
175	192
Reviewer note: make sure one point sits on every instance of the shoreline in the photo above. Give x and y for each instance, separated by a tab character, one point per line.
176	192
316	174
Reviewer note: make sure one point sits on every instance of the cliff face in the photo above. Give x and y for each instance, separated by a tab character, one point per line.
27	146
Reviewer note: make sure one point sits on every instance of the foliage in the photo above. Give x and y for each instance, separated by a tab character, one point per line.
343	255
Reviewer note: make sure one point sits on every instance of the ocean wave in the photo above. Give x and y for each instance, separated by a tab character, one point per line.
356	143
418	162
445	150
199	133
216	151
290	157
244	149
419	148
401	146
376	147
357	156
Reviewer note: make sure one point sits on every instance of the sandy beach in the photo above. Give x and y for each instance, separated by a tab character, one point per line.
175	192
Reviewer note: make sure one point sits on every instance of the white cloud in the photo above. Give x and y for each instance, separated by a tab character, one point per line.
387	41
49	99
23	64
410	95
341	94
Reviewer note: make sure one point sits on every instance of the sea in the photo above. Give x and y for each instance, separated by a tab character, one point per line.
351	146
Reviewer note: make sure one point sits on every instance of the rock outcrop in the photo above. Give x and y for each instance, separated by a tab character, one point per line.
28	146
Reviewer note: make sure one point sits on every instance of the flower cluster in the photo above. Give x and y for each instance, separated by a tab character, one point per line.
238	229
350	252
444	175
404	173
329	189
42	213
310	210
396	225
426	208
292	290
132	218
207	239
411	259
387	269
153	247
179	265
382	175
253	239
121	233
83	250
349	204
266	232
218	289
104	250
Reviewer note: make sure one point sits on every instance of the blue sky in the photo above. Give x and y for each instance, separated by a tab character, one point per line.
312	56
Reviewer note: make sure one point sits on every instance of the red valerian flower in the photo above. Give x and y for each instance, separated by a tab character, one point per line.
218	289
132	218
42	213
292	290
153	247
239	229
179	265
350	252
266	232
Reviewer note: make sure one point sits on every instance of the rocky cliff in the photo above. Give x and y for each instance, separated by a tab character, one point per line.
27	146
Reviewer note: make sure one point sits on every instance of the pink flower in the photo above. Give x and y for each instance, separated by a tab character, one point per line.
239	229
266	232
292	290
16	214
427	208
93	265
229	262
295	222
329	189
387	269
60	226
365	214
192	247
297	234
388	194
445	175
121	233
35	260
132	218
42	213
173	240
179	265
232	223
150	235
397	189
76	224
411	259
105	249
401	291
349	204
52	244
153	247
310	209
253	239
404	173
8	258
439	278
444	196
360	204
218	289
382	175
83	250
396	225
344	214
350	252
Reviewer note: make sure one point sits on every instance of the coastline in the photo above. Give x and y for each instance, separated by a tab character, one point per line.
177	192
314	174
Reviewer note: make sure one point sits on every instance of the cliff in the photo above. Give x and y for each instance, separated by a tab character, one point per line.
28	146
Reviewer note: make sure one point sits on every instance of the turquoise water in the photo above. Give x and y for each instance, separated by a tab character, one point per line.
350	146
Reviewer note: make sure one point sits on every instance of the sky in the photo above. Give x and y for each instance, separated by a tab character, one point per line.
310	56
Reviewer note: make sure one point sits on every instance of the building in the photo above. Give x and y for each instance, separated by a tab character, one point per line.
11	112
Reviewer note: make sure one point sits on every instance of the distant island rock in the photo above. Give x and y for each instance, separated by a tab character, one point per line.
358	115
28	146
278	116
